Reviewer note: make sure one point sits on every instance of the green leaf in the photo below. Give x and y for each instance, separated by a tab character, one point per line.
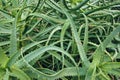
13	39
3	58
19	74
2	73
115	72
7	75
107	65
71	71
48	18
38	53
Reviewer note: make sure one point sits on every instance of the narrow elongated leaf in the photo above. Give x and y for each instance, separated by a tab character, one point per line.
39	52
3	58
2	73
107	65
13	39
19	74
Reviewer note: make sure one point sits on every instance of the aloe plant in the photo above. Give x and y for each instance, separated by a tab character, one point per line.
59	40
